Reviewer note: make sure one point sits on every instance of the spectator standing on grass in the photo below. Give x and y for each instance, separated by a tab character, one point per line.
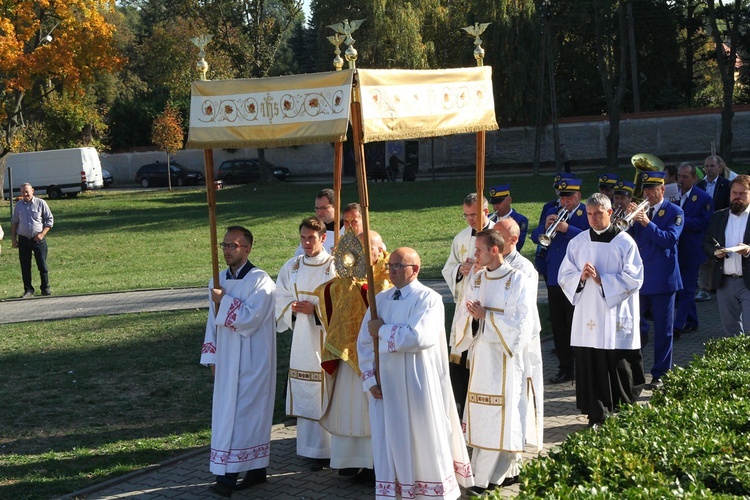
418	446
656	230
601	275
32	220
240	347
297	308
729	229
393	162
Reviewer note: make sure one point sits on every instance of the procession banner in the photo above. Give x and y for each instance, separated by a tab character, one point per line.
270	112
410	104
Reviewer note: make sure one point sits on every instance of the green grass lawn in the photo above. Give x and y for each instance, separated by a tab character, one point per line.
126	240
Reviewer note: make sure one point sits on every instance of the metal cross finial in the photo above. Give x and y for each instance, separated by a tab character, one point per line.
201	41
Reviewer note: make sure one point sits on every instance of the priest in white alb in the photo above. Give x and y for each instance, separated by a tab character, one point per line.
343	303
240	346
297	308
601	274
496	324
418	446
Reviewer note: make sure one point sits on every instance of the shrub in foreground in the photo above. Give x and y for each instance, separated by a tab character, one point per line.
692	440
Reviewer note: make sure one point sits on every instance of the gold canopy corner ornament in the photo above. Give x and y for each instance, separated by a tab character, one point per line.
476	31
347	27
336	40
201	41
349	257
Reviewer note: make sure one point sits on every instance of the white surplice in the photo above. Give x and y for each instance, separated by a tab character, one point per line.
418	446
462	248
308	385
606	316
240	341
497	402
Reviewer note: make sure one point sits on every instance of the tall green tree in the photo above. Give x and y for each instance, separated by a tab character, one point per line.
726	58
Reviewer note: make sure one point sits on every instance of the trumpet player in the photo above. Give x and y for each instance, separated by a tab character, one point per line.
540	256
560	308
656	230
607	184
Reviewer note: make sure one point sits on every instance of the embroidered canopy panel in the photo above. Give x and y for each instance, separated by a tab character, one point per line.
314	108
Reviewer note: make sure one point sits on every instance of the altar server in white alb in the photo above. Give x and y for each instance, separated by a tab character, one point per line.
601	275
418	447
459	265
308	386
496	325
240	346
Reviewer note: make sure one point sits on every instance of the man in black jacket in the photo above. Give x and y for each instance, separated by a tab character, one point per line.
727	243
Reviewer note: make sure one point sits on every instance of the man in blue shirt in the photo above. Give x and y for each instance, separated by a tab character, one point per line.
32	220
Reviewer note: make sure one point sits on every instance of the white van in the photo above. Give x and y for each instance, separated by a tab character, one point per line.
56	172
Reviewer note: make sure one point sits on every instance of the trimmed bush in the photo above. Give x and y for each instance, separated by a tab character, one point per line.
692	440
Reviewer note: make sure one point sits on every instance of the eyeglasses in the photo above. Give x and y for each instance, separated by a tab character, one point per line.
469	216
398	266
320	209
230	246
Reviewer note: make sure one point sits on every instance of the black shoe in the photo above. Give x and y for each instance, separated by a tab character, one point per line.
655	384
562	376
318	464
475	491
349	471
365	476
689	328
221	489
46	293
253	477
509	481
27	295
677	333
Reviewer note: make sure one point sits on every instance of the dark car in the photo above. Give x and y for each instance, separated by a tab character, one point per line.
107	178
243	170
155	174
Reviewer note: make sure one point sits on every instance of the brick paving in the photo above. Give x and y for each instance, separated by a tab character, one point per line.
187	477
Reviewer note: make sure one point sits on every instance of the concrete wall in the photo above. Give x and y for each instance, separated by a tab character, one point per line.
674	137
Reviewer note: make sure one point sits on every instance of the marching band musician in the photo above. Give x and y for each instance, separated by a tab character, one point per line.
560	308
697	206
656	231
607	184
501	201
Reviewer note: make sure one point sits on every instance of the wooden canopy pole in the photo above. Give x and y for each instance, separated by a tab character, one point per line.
208	161
338	160
364	202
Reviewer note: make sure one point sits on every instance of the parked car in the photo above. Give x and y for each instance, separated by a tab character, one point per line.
243	170
107	178
155	174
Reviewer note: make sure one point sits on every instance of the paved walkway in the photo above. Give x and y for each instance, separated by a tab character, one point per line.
187	477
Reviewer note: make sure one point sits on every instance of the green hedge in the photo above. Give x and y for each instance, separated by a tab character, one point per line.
692	440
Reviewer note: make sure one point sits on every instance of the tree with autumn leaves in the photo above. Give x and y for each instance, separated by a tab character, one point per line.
49	46
167	134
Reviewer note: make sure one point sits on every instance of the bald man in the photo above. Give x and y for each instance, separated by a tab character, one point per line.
411	447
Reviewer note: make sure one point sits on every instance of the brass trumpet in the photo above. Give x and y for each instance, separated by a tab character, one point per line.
546	239
624	222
